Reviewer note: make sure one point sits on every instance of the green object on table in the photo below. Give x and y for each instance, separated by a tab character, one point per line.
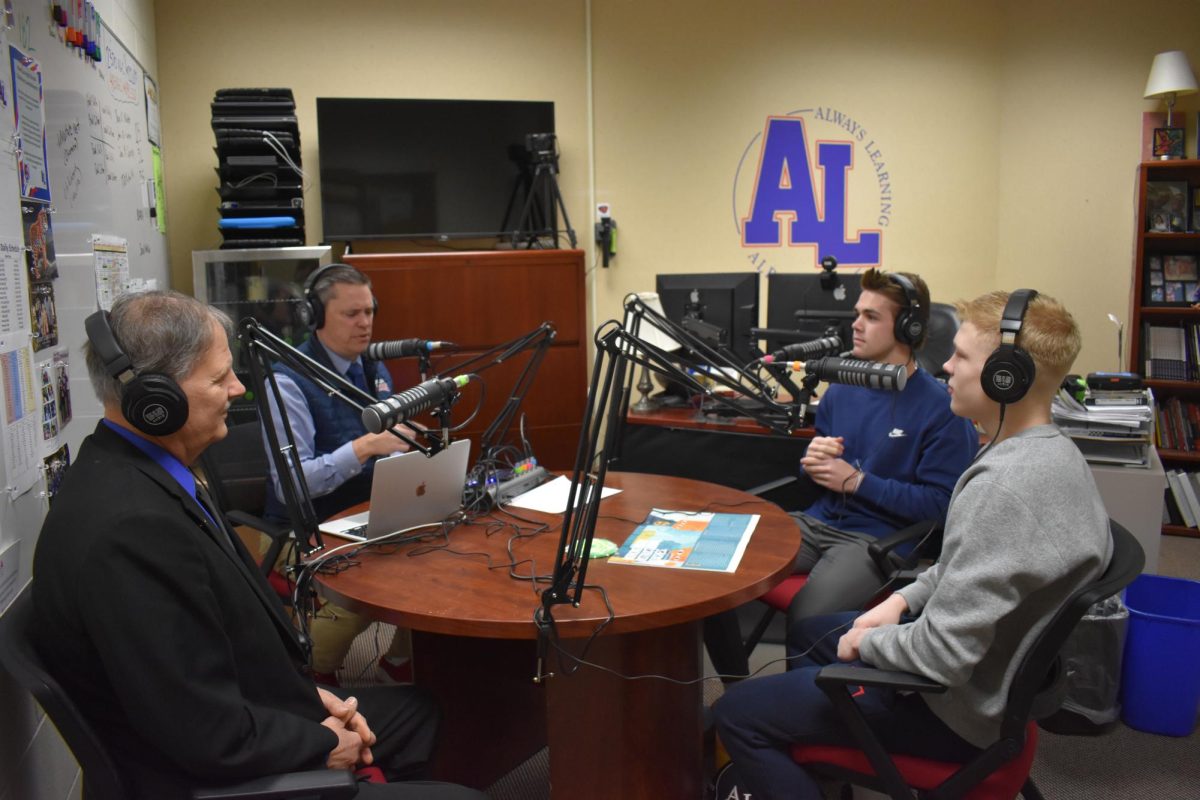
602	548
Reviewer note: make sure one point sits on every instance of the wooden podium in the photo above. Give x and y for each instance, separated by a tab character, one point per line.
482	299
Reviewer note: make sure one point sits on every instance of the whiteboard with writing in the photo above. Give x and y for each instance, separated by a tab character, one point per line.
100	165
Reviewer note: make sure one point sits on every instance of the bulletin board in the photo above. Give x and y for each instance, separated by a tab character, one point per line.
80	194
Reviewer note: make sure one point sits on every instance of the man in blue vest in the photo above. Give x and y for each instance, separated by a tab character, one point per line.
336	452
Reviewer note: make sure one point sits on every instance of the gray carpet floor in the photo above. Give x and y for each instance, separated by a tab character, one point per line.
1121	764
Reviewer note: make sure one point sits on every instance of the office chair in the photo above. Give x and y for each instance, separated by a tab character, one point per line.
236	470
1002	769
101	778
939	342
898	566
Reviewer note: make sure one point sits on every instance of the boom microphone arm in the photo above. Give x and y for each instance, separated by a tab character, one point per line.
757	398
616	349
262	349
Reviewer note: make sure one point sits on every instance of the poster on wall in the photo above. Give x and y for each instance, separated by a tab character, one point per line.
14	295
153	123
44	315
39	241
30	117
62	385
49	405
56	467
22	434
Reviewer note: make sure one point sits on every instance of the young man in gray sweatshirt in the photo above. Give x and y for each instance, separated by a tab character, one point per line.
1025	529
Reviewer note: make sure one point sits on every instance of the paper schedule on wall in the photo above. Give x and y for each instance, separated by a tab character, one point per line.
111	255
30	117
22	432
14	297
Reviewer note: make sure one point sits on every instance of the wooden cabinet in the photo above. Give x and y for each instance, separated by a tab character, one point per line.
1147	312
482	299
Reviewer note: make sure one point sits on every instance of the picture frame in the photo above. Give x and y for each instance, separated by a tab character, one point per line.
1168	143
1166	206
1180	267
1171	279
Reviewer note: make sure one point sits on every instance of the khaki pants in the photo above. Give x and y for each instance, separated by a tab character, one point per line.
334	629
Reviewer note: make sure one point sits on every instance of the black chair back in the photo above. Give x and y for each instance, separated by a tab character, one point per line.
236	468
1036	688
939	342
101	779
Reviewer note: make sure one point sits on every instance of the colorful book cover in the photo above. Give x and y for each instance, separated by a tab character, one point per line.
688	540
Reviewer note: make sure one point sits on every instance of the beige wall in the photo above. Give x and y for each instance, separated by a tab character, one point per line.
1010	129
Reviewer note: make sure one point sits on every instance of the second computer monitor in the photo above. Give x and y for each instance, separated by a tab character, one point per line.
810	304
719	307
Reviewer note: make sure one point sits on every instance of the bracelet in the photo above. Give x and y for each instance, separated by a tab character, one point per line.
858	482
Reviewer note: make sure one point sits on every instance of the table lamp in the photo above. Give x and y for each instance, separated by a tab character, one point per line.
1170	76
651	335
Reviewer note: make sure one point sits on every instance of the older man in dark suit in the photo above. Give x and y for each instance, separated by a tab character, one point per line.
152	614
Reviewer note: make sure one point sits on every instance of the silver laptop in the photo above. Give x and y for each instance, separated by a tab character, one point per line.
409	490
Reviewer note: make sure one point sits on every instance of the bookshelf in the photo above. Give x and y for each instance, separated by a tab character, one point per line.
1147	311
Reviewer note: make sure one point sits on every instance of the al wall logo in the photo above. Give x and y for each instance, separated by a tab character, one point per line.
793	207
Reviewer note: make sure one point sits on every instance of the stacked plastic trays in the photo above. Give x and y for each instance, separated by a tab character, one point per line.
258	163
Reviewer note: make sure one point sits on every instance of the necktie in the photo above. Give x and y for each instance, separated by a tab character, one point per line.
210	508
355	375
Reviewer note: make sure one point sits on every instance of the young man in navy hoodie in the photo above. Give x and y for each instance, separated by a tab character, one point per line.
885	459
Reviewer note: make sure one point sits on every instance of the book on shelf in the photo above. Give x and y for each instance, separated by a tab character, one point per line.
1170	515
1167	206
1166	351
1176	481
1178	425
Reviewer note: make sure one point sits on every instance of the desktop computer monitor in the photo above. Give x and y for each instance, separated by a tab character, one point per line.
809	305
719	307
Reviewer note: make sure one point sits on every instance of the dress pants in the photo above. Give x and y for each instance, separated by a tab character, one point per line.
405	722
758	720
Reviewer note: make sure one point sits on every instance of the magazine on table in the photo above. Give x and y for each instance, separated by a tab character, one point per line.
688	540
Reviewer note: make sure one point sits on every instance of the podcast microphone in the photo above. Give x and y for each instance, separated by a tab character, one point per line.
398	408
804	349
855	372
402	348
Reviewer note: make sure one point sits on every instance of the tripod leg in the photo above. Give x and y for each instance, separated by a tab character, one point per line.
563	208
525	222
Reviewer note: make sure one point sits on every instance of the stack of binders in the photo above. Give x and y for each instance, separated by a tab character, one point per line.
1108	427
258	155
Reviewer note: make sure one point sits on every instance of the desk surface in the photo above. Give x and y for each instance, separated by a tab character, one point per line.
473	649
440	592
692	418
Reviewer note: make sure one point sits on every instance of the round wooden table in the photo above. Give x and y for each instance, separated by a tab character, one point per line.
473	638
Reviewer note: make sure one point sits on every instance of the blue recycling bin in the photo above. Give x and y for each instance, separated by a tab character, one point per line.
1160	680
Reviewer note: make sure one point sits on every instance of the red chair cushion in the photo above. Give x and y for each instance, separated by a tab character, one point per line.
370	775
923	773
781	596
280	584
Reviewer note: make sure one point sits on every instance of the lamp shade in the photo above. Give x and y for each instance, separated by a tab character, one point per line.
1171	74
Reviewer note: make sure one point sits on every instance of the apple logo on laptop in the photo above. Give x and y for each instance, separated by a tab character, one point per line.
420	489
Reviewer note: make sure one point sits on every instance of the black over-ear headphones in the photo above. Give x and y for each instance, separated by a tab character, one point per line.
1009	371
151	402
314	307
910	324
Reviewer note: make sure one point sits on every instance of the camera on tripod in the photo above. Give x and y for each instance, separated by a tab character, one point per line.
542	147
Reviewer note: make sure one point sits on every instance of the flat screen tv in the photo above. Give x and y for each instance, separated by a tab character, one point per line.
727	301
441	169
